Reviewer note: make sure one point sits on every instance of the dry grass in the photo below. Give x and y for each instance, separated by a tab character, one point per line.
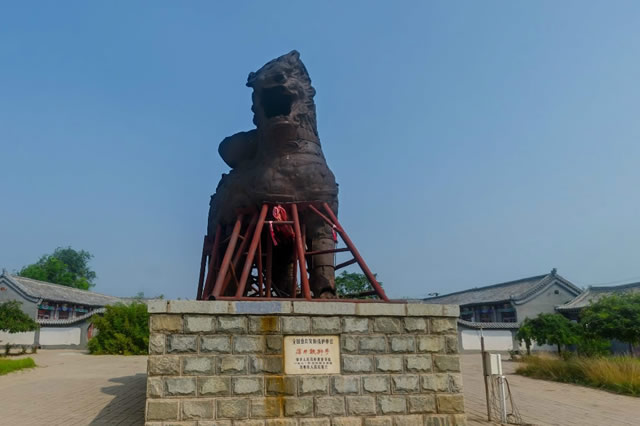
9	365
617	374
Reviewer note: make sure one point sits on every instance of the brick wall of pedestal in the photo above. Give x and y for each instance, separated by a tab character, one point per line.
221	364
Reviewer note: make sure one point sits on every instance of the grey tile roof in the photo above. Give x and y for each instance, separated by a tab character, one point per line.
593	294
491	325
59	293
509	291
73	320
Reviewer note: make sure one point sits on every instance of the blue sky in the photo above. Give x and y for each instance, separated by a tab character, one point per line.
474	142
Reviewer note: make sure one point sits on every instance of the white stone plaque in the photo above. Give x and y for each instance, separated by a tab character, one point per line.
312	354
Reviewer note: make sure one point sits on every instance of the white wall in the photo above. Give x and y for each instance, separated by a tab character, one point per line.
26	338
494	340
60	336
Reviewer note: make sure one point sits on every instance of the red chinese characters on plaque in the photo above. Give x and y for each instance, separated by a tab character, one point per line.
312	354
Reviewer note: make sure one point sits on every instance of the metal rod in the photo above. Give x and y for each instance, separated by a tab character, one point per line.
326	219
260	277
294	275
367	272
213	260
203	266
304	279
284	299
347	263
484	375
269	265
335	250
361	294
248	263
226	260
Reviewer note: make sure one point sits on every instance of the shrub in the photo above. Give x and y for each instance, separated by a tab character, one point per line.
549	329
9	365
13	320
123	330
617	374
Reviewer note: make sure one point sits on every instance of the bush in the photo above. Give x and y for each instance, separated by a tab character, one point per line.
617	374
9	365
123	330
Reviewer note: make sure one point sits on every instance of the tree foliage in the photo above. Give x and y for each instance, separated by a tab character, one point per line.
549	329
123	330
14	320
349	283
614	317
64	266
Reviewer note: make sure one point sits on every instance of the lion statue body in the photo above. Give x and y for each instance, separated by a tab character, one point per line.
280	161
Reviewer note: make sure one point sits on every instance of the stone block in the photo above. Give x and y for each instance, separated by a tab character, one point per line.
388	325
330	406
214	423
266	407
247	385
451	383
375	384
182	344
459	420
374	344
198	307
198	365
232	408
214	386
349	344
163	365
281	385
315	422
357	364
345	385
450	403
346	421
378	421
409	420
403	344
266	364
248	344
215	344
298	406
389	363
443	325
406	384
154	387
274	344
180	386
415	325
437	420
313	385
232	325
324	308
264	324
424	310
455	383
418	363
421	404
447	363
325	325
261	307
251	422
381	309
198	324
430	343
158	306
162	410
197	409
392	404
355	325
232	365
361	405
296	325
157	344
451	344
281	422
451	311
168	323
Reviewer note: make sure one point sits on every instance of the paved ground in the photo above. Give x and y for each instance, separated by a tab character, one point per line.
71	388
549	403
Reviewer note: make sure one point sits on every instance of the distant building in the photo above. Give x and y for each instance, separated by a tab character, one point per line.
62	312
592	294
500	308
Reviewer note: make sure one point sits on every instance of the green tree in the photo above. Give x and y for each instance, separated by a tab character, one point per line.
349	283
613	317
64	266
525	334
551	329
14	320
123	330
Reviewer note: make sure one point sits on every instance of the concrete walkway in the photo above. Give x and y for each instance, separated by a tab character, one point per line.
549	403
72	388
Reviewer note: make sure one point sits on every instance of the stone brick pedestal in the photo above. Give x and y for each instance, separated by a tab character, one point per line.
222	364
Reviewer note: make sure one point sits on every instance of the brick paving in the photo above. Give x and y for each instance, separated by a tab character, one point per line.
72	388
